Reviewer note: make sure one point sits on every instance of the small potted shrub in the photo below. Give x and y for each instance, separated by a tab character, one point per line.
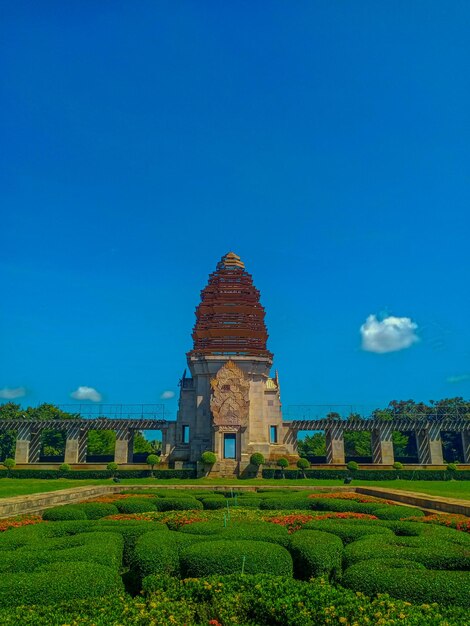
283	463
152	460
303	464
9	464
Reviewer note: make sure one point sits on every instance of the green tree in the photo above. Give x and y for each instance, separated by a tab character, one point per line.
153	460
312	445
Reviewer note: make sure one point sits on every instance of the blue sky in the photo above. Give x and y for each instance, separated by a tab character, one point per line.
327	143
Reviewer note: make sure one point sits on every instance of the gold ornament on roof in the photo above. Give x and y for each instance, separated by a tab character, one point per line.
230	399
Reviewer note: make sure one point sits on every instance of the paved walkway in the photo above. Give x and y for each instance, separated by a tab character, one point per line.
34	503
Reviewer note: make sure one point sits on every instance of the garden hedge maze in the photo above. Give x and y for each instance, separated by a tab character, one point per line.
265	557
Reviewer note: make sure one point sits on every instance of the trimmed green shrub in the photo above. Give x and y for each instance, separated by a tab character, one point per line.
208	458
97	510
214	502
59	582
347	532
398	466
257	459
251	531
66	512
316	553
64	468
248	503
156	553
342	506
391	512
452	467
435	554
303	464
233	557
178	504
282	463
408	581
112	467
291	503
136	505
352	466
130	530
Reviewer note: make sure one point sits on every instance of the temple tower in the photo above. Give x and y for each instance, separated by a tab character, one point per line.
229	404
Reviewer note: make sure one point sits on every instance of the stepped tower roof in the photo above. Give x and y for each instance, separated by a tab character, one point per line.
230	317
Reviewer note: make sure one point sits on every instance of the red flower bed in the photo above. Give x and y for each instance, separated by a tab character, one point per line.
296	521
350	496
458	522
363	516
18	522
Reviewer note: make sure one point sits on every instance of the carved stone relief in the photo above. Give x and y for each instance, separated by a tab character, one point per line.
230	396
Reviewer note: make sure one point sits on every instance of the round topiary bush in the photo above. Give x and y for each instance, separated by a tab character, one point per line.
136	505
452	467
257	459
316	553
352	466
398	466
303	464
97	510
64	468
67	512
397	512
208	458
283	463
234	557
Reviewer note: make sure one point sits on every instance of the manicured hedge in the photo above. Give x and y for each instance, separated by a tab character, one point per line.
178	504
435	553
232	557
66	512
285	503
97	510
158	552
251	531
347	532
159	474
136	505
392	512
408	581
263	600
59	582
103	548
130	531
316	553
419	474
214	502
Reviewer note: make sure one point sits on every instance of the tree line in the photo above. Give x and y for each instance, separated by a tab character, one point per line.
358	444
100	442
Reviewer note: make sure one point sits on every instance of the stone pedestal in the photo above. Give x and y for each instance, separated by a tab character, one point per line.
23	441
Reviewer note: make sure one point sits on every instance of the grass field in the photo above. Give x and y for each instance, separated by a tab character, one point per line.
10	487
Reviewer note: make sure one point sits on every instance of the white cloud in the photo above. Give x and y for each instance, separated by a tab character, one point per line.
86	393
167	395
10	393
388	335
458	379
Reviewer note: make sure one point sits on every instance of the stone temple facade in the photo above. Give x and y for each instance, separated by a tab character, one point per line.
229	403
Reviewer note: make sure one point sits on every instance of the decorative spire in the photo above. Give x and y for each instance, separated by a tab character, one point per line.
230	317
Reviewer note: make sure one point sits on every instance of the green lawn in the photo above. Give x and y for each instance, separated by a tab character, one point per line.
10	487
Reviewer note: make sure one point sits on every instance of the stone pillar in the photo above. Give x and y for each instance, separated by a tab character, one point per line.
23	440
466	446
124	446
382	447
76	444
35	447
429	445
335	444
